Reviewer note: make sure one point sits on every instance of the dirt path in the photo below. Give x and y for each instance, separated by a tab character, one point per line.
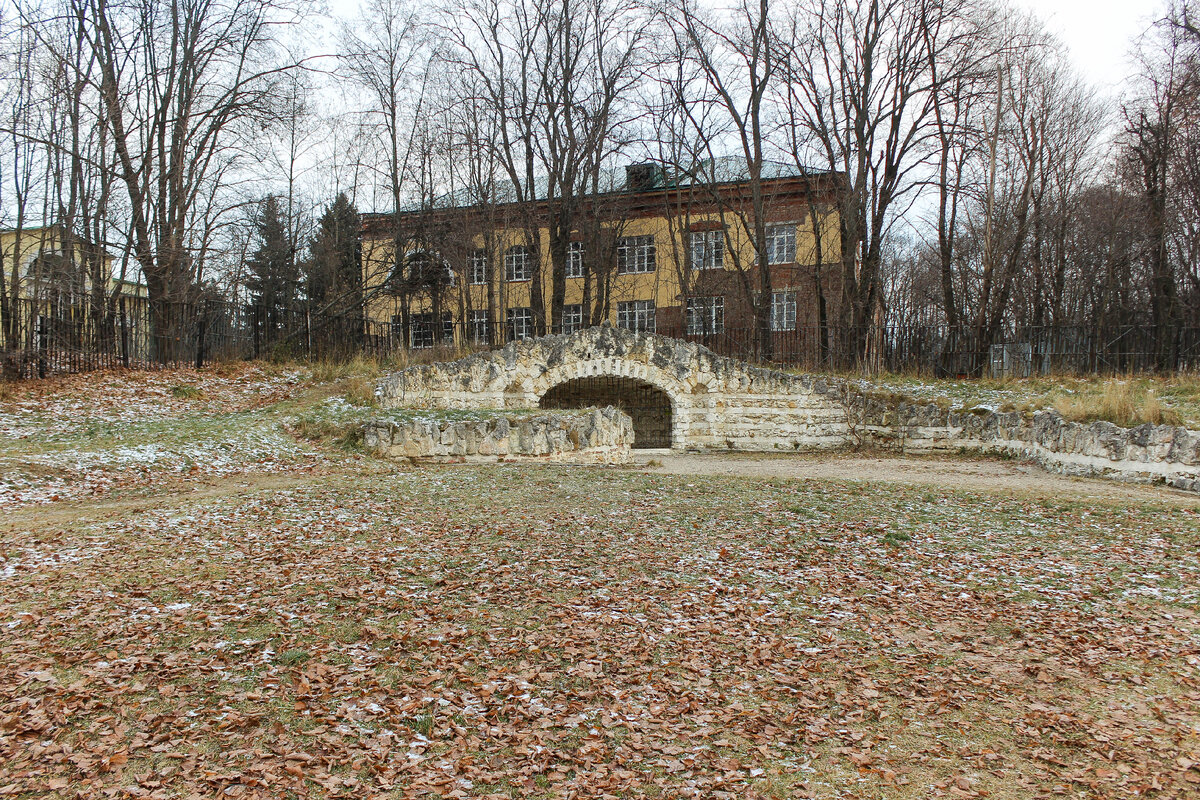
992	475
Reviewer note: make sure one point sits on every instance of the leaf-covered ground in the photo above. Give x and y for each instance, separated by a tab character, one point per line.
357	629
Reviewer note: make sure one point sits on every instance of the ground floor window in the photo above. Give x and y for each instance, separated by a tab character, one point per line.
783	311
479	327
636	315
520	323
705	315
423	330
572	318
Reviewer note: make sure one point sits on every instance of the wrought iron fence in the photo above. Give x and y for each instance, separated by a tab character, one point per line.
41	338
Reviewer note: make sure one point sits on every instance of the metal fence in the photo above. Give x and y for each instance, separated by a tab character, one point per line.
42	338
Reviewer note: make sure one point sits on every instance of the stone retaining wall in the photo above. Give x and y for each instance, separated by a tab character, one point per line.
1147	453
720	403
591	436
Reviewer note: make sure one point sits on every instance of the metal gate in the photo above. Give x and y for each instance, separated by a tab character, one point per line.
648	406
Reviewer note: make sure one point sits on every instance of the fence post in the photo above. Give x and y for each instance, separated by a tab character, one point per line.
43	337
124	334
203	322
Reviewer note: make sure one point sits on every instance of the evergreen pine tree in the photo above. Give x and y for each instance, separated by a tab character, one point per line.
334	274
274	278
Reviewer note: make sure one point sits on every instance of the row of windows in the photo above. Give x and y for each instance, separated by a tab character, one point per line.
706	315
703	316
637	254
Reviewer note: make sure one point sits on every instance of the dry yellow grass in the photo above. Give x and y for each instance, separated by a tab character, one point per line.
1119	402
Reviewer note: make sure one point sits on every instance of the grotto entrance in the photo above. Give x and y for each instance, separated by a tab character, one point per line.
646	404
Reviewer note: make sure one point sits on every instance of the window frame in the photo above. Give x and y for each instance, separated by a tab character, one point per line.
510	263
425	324
477	267
775	253
637	255
479	326
711	309
525	313
783	304
712	252
572	318
641	313
575	254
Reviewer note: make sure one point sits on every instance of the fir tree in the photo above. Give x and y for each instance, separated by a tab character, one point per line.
274	276
335	268
334	276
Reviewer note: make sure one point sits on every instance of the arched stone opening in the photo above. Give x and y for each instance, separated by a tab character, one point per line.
648	406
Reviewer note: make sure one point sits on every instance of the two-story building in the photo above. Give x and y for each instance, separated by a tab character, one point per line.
650	250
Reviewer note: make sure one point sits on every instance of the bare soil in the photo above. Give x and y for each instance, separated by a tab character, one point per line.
947	472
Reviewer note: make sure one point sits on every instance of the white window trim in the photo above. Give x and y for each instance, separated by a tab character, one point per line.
474	265
647	313
794	228
637	255
707	307
714	258
509	261
575	254
795	309
576	318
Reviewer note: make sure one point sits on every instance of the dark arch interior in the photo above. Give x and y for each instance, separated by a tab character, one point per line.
647	405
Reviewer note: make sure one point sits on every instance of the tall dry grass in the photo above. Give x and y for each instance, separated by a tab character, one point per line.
1120	402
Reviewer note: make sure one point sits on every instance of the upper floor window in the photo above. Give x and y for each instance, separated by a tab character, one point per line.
477	266
636	315
781	244
575	260
705	315
783	311
425	269
636	254
707	249
518	263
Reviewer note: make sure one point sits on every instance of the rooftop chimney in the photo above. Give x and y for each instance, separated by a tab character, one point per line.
640	177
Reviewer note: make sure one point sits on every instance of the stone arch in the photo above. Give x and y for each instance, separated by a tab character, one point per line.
644	381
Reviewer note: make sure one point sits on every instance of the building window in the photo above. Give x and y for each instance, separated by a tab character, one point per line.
575	260
636	315
783	311
518	263
477	266
520	323
425	271
422	330
480	327
635	254
781	244
572	318
705	315
707	249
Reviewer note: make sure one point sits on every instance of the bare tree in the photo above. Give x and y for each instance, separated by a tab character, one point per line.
179	92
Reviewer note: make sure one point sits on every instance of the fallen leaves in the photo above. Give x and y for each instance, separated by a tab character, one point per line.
523	631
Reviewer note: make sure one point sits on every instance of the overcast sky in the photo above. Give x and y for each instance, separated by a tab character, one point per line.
1098	33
